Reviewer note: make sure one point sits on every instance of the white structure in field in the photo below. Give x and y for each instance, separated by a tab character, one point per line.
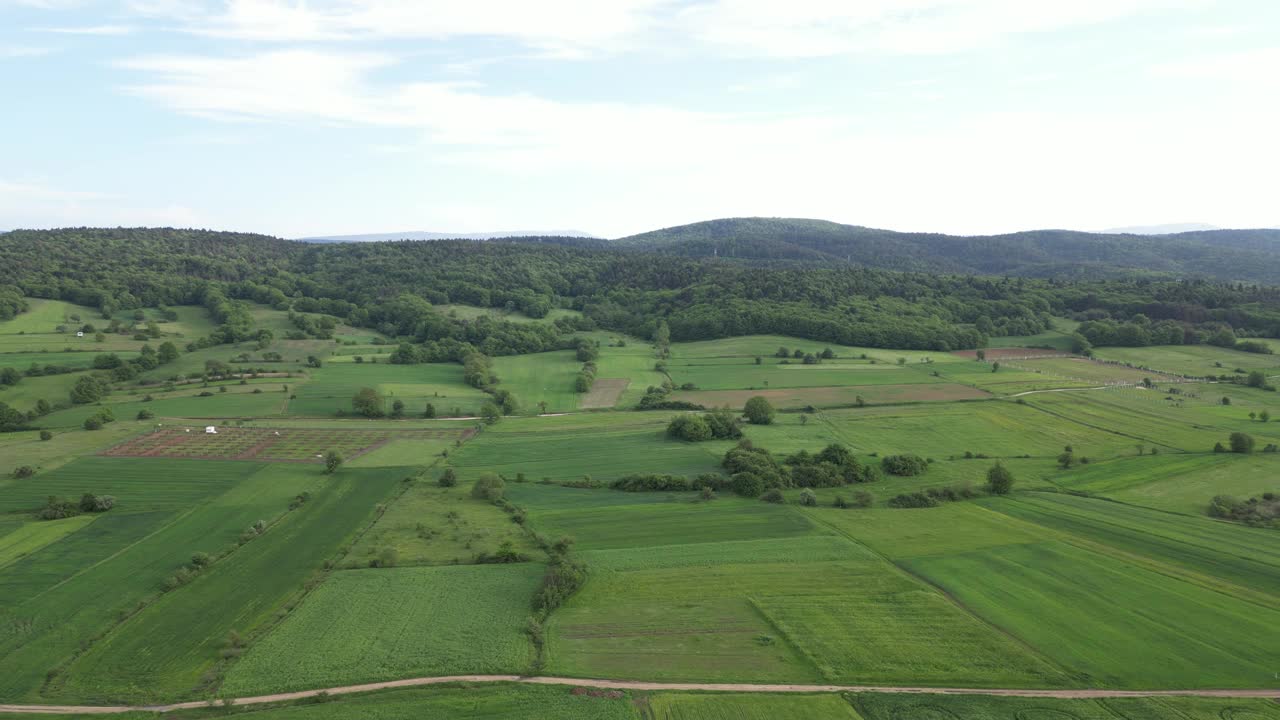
211	430
79	333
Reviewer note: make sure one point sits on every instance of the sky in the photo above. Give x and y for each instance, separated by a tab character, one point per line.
615	117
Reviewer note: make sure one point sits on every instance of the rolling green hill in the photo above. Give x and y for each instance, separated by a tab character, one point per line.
1246	255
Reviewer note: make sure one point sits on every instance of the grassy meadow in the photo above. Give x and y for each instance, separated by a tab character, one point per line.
236	564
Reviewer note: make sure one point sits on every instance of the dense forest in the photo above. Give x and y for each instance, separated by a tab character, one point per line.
1246	255
392	287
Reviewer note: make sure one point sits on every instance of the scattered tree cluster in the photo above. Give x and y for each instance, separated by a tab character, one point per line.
1262	511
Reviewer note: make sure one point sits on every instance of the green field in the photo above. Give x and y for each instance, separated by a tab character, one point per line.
1191	360
369	625
331	388
942	707
172	646
1178	483
727	706
430	525
1106	574
617	445
1111	623
29	537
843	621
540	378
998	429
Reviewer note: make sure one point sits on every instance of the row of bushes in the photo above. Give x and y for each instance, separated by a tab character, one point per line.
657	398
57	508
718	424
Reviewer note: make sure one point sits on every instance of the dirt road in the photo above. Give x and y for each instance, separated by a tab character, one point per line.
640	685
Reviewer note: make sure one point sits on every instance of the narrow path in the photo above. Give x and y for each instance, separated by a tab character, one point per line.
640	685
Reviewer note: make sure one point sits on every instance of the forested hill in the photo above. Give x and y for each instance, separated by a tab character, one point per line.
1244	255
393	287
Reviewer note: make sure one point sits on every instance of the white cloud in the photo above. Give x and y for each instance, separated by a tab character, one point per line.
567	27
23	51
592	161
513	132
92	30
574	28
28	204
1246	66
821	28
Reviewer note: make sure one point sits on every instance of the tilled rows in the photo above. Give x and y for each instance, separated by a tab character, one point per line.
268	444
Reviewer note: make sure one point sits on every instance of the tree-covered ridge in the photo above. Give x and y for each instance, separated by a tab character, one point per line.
1247	255
391	287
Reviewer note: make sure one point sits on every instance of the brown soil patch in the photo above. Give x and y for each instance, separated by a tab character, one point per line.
837	396
604	393
304	445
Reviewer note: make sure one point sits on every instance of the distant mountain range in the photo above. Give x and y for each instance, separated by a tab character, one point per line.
1169	229
1183	250
422	235
1245	255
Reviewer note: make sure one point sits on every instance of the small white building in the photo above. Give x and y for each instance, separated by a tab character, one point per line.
210	430
79	333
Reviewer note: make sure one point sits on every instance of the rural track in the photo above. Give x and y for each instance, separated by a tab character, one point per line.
637	685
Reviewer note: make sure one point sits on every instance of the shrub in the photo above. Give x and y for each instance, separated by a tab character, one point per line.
367	402
1261	511
748	484
689	427
714	481
145	414
91	503
56	508
724	425
1241	442
999	480
488	487
387	557
93	423
808	498
773	495
862	499
759	411
46	435
904	465
448	478
561	580
840	502
651	483
912	500
506	553
332	461
23	471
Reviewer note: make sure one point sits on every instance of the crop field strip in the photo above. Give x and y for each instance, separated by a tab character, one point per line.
169	648
269	445
370	625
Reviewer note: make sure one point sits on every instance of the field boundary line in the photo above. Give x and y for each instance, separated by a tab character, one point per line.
643	685
1166	568
1105	429
946	595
